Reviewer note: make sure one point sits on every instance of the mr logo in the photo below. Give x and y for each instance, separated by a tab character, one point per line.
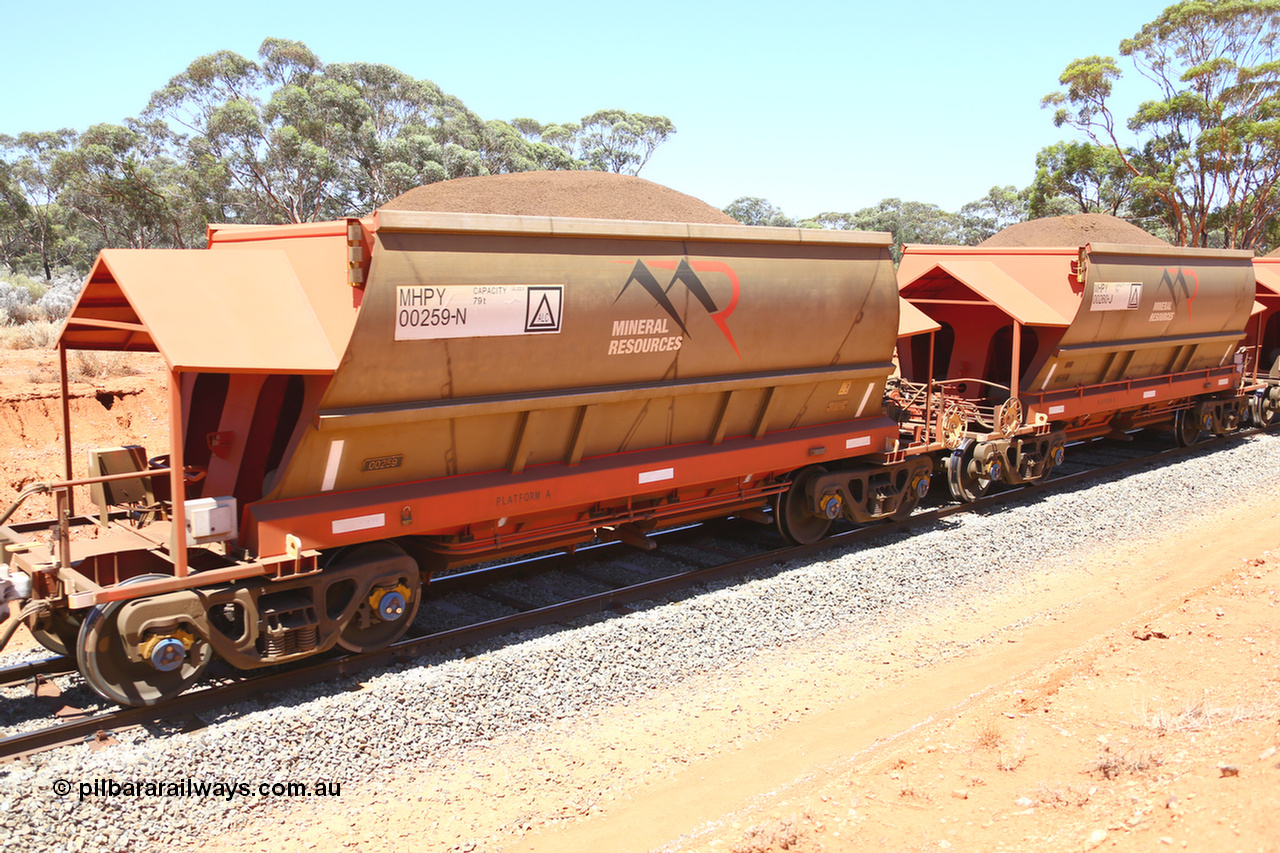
686	273
1185	281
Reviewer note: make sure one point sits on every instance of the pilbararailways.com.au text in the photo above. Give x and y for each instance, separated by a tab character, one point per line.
195	788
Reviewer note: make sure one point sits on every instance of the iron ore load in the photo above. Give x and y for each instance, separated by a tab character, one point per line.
356	405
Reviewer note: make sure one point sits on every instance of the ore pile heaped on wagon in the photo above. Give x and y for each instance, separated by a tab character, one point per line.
593	195
1075	230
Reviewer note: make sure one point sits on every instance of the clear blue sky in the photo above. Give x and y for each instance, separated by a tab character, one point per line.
818	106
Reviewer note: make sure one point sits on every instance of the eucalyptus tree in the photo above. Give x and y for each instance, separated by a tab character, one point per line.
753	210
997	210
289	138
40	229
606	141
508	148
121	179
1208	147
619	141
1081	177
13	209
279	127
908	222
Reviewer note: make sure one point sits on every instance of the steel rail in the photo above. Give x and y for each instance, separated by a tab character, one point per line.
261	686
18	674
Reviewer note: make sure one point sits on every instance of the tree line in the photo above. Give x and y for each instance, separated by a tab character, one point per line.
285	138
1196	164
288	138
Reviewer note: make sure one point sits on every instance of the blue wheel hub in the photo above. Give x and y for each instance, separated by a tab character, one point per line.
168	654
391	607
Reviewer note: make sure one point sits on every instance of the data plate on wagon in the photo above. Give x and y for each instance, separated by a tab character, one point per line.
1116	296
430	312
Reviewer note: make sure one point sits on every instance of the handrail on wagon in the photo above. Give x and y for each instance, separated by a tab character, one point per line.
1161	379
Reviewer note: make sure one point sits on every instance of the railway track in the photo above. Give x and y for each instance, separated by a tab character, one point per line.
19	674
1094	460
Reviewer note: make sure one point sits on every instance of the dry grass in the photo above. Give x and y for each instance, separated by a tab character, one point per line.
41	334
992	739
989	736
1132	761
909	792
42	373
100	365
1200	715
1058	794
1012	758
82	366
1010	762
777	834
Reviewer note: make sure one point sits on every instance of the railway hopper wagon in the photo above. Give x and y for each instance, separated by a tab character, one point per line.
1038	346
1264	339
357	404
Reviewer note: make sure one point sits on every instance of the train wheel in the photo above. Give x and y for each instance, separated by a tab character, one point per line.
1186	428
172	662
965	484
1261	416
796	524
56	631
916	491
386	610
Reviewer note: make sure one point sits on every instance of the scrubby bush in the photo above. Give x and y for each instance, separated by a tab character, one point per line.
36	334
26	300
61	294
100	365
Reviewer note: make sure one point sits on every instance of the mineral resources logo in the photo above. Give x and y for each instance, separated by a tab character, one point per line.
1183	285
655	335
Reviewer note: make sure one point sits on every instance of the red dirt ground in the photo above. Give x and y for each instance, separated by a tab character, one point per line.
105	412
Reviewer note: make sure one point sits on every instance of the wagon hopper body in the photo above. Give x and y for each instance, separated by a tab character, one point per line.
554	379
1041	345
355	404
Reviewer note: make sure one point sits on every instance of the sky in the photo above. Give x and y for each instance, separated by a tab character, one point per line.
819	106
